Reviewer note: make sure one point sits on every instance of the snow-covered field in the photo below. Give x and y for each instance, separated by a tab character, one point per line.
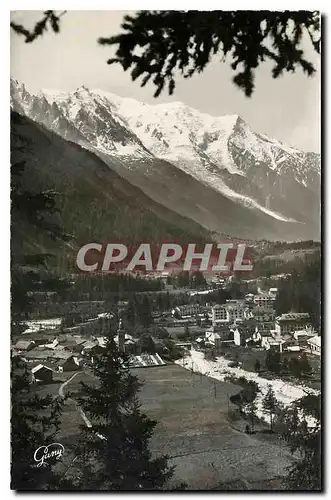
284	392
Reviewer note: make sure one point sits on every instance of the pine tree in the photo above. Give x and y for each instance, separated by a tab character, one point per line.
269	404
114	453
272	361
34	419
187	333
144	312
147	344
130	312
302	433
285	365
250	411
197	280
295	367
257	366
306	369
155	44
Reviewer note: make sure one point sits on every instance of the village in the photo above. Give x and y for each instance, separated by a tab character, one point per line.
248	325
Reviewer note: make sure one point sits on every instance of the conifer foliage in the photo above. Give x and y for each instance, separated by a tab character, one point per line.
35	420
158	44
302	432
114	452
270	405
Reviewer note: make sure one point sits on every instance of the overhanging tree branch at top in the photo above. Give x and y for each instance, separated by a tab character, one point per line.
50	19
157	44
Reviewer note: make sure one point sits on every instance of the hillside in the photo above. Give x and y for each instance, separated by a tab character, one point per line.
95	203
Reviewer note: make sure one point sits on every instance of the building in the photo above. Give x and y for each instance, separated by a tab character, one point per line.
185	345
91	347
24	345
290	322
230	312
73	346
187	310
52	345
301	336
273	292
212	338
255	340
128	344
264	300
274	343
42	373
144	360
263	314
236	337
220	314
69	364
38	354
237	309
314	345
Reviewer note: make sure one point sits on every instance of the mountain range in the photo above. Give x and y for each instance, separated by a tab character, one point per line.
214	171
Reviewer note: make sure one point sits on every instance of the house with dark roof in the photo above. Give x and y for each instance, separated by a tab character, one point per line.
24	345
68	364
314	345
42	374
38	354
290	322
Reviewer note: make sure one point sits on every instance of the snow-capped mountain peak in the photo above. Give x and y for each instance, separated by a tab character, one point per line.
223	153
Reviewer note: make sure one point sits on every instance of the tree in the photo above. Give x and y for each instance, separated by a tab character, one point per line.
183	279
306	369
247	395
295	367
197	280
257	366
250	411
302	433
174	351
50	19
272	361
301	291
187	333
147	344
35	420
131	312
114	453
285	365
269	404
144	312
157	43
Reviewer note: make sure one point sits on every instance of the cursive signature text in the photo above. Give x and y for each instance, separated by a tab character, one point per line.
44	453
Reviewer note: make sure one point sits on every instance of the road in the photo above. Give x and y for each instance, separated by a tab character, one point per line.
61	394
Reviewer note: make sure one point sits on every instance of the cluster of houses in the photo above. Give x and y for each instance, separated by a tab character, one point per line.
68	352
249	322
252	322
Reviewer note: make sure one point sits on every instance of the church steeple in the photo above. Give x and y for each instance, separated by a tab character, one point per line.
121	335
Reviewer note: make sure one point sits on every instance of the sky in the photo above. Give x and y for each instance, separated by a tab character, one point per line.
287	108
